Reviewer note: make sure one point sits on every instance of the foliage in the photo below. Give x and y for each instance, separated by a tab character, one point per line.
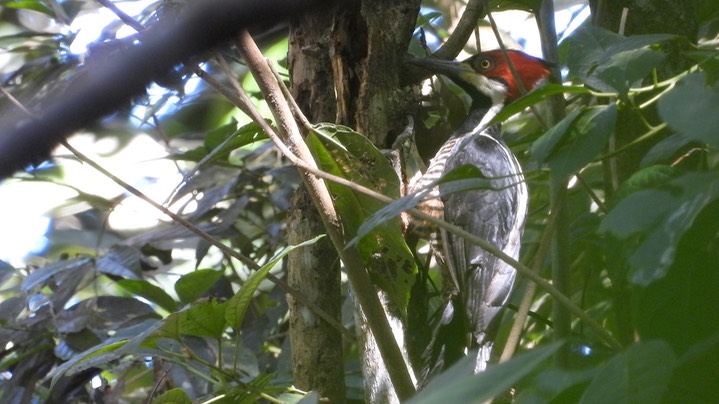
159	313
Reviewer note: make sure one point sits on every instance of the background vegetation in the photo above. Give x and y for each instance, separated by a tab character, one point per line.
624	216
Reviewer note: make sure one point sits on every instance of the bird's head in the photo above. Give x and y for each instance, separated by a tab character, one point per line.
487	77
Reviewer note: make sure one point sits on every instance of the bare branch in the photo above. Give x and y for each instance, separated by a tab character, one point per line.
109	84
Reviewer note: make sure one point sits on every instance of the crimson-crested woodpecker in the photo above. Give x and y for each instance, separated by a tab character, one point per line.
477	283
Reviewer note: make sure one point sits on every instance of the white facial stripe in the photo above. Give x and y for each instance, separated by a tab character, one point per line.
495	90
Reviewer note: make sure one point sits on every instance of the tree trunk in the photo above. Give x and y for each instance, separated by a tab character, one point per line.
317	358
345	67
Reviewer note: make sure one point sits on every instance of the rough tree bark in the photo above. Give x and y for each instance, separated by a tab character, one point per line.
356	54
317	358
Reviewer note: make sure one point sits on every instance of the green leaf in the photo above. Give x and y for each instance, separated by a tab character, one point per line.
593	50
639	375
149	291
582	139
547	143
174	396
238	304
202	319
125	341
535	96
348	154
109	350
459	384
660	217
29	5
192	285
690	108
649	177
626	69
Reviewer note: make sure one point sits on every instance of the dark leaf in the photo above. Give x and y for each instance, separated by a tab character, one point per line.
638	375
6	271
690	108
662	216
547	143
592	47
459	384
40	276
664	150
238	304
145	289
121	261
582	139
627	69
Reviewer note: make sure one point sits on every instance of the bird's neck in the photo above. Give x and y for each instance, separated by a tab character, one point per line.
478	119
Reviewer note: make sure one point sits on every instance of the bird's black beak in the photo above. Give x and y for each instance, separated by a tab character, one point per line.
451	69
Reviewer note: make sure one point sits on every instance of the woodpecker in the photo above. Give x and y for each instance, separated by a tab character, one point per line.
477	284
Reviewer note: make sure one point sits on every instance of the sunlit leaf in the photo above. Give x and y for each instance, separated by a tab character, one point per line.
174	396
29	5
191	286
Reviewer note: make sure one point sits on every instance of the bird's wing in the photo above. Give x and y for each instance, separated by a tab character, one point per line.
495	214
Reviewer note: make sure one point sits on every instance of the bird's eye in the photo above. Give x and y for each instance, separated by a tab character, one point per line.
485	64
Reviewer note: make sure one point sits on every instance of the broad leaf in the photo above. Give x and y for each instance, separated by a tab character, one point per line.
575	142
691	108
125	341
202	319
192	285
533	97
660	217
151	292
627	69
459	384
40	276
238	304
595	50
350	155
121	261
547	143
174	396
